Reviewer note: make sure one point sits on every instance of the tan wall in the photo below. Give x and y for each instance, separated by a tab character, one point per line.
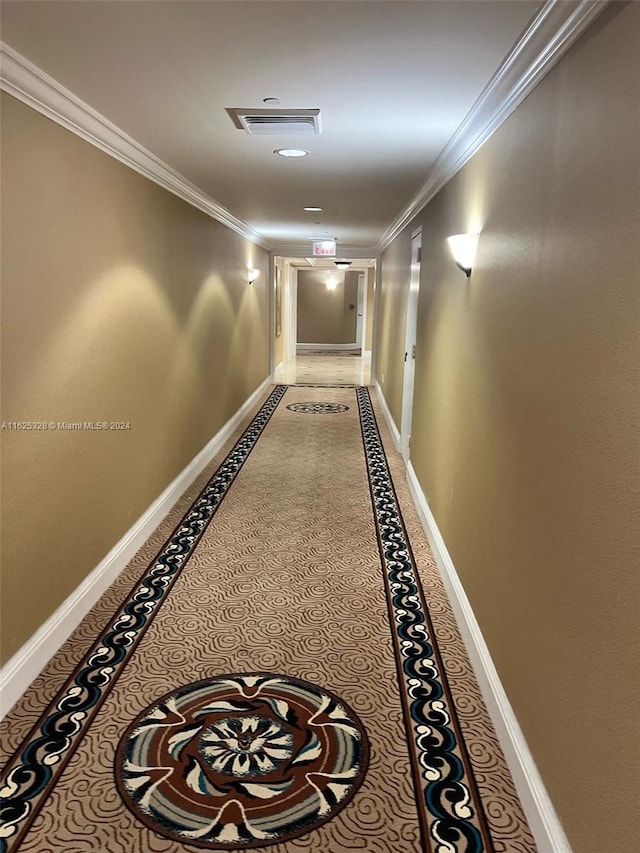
324	316
120	303
525	425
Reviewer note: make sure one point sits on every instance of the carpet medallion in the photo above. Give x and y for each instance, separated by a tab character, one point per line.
241	761
317	408
278	668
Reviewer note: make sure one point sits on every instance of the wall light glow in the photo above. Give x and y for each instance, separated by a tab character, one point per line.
463	248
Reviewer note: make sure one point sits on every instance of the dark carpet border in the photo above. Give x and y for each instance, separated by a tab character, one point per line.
486	846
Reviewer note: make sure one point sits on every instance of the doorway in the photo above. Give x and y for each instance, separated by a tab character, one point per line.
361	308
410	344
320	356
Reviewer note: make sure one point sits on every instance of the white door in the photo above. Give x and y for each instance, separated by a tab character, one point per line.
362	293
294	310
410	345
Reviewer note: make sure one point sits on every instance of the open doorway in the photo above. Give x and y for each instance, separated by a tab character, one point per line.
327	328
327	312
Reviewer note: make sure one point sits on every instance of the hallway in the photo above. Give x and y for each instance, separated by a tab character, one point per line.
325	370
278	568
193	191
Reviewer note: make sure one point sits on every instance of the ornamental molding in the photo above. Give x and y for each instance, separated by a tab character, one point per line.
34	87
548	37
551	33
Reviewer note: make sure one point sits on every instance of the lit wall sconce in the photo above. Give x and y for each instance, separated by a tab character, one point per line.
331	283
463	248
252	275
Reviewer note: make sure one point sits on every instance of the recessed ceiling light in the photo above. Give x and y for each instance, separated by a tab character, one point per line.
271	101
291	152
313	208
343	265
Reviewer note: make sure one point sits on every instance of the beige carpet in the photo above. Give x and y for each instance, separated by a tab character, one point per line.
287	579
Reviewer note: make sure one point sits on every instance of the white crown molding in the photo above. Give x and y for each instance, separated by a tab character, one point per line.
34	87
301	249
18	673
548	37
550	34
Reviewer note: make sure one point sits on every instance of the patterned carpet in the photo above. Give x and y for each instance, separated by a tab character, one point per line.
277	668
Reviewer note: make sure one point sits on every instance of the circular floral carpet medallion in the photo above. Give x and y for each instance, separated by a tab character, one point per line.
318	408
241	761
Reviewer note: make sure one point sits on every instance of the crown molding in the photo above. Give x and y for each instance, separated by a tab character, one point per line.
34	87
299	249
550	34
548	37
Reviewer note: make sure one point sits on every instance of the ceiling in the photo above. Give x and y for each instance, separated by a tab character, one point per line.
393	81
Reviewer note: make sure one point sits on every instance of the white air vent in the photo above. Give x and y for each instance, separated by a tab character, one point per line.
277	122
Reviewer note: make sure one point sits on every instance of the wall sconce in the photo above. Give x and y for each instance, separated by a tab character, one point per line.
252	275
463	248
331	284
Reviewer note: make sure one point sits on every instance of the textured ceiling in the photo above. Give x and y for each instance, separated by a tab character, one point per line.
393	81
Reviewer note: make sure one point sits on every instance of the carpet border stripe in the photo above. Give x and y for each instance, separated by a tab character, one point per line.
410	609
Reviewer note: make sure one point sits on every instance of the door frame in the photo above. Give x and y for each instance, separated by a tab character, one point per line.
361	310
410	343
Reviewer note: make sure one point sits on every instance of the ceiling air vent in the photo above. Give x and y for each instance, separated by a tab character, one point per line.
277	122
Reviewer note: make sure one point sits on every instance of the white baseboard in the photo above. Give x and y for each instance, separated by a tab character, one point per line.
538	808
354	345
387	416
543	820
27	663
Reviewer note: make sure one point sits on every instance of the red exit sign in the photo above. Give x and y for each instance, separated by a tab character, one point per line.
324	248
